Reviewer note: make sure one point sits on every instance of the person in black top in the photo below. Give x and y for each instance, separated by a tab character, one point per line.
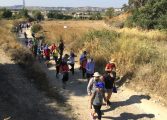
61	48
109	82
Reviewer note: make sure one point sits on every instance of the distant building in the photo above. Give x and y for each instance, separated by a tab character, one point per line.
118	9
81	15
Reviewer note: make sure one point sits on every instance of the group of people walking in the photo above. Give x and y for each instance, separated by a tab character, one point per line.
99	86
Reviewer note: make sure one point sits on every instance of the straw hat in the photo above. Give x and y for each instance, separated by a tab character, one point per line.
96	74
112	60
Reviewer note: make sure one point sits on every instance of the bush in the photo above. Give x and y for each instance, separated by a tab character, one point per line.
36	28
37	15
6	13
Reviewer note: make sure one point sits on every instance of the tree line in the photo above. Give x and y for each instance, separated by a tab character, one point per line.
148	14
37	15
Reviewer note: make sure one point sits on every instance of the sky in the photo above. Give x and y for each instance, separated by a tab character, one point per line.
66	3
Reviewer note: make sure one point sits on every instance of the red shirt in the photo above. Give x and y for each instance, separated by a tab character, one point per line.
53	48
47	52
110	66
84	62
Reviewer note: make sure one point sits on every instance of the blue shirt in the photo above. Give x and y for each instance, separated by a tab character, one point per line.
90	67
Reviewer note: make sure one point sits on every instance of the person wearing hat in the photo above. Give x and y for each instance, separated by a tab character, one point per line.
97	100
92	82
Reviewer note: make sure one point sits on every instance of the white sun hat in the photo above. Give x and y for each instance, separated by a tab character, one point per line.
96	74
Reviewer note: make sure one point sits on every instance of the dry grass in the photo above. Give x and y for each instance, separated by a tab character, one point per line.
143	34
74	31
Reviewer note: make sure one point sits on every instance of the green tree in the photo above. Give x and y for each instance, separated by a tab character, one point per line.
125	7
38	15
110	12
150	16
137	3
23	13
96	16
6	13
51	14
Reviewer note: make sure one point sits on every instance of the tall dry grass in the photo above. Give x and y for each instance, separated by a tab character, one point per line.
54	30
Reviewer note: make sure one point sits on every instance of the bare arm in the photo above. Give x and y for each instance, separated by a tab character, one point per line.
89	87
91	100
104	97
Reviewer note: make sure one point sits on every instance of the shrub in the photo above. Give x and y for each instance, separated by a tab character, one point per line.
36	28
6	13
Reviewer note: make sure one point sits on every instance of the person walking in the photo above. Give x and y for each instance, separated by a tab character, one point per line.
72	61
97	100
47	55
53	47
55	54
90	67
83	55
61	48
64	70
92	83
109	80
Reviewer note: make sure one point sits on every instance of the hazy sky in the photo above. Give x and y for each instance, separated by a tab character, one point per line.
66	3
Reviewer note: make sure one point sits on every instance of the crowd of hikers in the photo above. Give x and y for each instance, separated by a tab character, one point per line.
99	86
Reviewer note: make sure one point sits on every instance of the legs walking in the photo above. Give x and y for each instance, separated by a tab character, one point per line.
98	111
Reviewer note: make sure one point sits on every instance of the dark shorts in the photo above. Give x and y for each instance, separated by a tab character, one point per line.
108	90
65	77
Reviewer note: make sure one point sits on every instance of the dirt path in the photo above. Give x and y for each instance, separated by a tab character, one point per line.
126	104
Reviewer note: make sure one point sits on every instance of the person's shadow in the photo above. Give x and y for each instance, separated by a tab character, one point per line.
132	100
130	116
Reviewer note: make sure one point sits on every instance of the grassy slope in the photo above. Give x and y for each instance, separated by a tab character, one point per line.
140	55
25	59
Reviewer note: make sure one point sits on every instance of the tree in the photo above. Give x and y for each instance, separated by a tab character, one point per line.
51	14
96	16
6	13
38	15
151	16
23	13
58	15
110	12
137	3
125	7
